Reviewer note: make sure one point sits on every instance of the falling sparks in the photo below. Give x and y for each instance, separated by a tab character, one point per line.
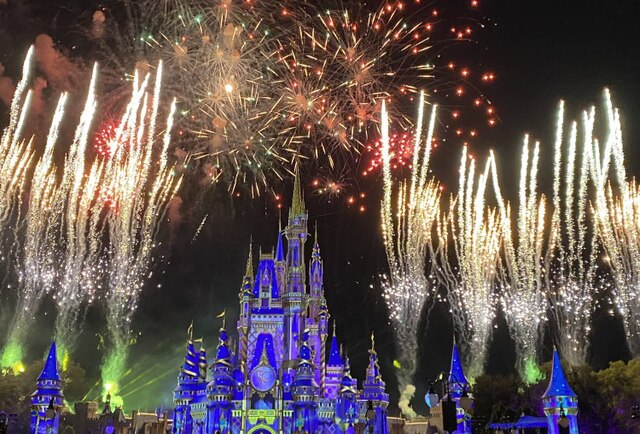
408	212
72	209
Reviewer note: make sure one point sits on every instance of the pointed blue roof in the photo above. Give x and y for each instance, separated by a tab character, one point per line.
558	385
456	373
50	370
279	249
223	354
335	359
190	366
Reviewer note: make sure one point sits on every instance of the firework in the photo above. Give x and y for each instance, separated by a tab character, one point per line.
140	181
265	85
408	213
470	235
521	274
617	216
571	263
15	153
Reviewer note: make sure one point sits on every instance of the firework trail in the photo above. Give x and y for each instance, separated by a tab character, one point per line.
78	221
53	204
571	267
617	215
37	271
139	182
15	153
521	278
407	227
474	231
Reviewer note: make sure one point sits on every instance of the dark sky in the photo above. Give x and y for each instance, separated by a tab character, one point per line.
541	51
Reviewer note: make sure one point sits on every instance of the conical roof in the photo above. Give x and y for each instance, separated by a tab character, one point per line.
335	359
558	384
456	373
50	370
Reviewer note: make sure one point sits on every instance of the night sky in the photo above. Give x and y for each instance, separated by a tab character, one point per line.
541	51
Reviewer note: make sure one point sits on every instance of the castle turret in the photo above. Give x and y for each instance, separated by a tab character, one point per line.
318	314
47	401
458	387
280	259
221	388
347	403
245	297
186	390
374	396
304	390
334	369
560	401
294	296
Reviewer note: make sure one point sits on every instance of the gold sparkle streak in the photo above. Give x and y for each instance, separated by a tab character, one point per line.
409	210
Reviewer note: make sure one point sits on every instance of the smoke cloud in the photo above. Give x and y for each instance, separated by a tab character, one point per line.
61	72
404	403
6	86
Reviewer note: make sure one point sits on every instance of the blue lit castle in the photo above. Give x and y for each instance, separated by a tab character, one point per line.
279	379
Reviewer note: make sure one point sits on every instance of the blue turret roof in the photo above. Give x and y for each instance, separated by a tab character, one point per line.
202	364
335	359
223	354
50	370
190	366
347	379
558	384
456	373
279	249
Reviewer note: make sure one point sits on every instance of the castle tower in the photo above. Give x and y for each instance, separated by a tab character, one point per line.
280	259
186	390
221	389
347	404
458	386
304	390
294	297
374	396
245	297
317	312
560	401
47	401
334	369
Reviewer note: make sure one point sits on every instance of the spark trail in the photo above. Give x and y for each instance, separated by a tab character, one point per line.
470	236
571	266
140	182
521	278
617	215
409	210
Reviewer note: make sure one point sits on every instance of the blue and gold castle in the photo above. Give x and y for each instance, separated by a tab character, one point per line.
279	378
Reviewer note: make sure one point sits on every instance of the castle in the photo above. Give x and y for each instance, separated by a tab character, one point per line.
279	378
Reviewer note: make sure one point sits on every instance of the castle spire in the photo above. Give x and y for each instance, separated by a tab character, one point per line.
249	269
50	370
279	248
456	373
335	359
297	202
558	385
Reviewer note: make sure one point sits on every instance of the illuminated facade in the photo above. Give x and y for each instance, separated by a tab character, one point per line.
279	379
